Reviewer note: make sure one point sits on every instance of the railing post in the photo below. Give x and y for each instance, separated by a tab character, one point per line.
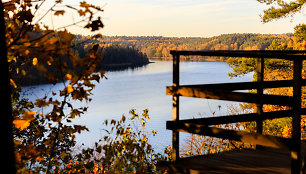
175	105
296	118
260	78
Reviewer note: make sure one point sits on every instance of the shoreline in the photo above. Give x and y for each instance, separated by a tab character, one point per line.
187	59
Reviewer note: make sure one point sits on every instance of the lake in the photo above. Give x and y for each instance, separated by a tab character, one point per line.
145	88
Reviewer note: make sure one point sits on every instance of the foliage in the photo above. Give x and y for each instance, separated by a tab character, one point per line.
275	70
159	47
125	149
279	127
42	128
300	35
115	55
242	66
300	32
202	145
281	8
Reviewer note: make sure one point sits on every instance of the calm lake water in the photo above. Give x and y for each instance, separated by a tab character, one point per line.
145	88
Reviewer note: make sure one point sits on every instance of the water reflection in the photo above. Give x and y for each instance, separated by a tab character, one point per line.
119	68
145	88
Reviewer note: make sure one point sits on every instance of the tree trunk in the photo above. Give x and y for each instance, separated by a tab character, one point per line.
10	159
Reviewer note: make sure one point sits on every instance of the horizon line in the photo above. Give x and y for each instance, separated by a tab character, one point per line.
289	33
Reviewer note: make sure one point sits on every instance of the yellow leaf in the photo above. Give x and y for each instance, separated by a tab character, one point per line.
69	89
35	61
21	124
13	83
11	58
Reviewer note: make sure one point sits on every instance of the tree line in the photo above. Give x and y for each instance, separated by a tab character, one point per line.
121	52
159	47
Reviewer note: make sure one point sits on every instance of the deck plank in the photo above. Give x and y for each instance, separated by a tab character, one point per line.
236	161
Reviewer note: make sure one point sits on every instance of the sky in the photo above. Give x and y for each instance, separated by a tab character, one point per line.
182	18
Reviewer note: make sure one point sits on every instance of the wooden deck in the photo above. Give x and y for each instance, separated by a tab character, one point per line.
235	161
286	157
248	161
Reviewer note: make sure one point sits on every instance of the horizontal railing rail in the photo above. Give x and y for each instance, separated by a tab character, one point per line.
288	55
228	119
243	85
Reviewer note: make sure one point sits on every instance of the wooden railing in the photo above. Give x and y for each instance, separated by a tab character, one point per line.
227	91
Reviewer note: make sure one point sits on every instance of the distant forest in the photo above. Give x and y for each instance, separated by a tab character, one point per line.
116	55
121	52
159	47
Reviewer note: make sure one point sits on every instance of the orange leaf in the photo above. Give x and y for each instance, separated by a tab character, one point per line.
24	73
69	89
41	68
39	158
27	52
52	40
29	115
21	124
27	44
68	76
59	12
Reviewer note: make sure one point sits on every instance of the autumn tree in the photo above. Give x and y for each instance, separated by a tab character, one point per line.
125	149
281	9
300	32
300	36
42	129
276	69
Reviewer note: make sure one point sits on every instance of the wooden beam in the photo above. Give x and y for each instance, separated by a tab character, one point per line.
240	118
296	156
288	55
244	85
285	52
260	79
176	106
252	138
231	96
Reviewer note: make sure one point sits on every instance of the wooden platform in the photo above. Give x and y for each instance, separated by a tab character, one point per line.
249	161
287	157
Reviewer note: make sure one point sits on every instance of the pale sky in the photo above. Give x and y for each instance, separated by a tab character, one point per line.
182	18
